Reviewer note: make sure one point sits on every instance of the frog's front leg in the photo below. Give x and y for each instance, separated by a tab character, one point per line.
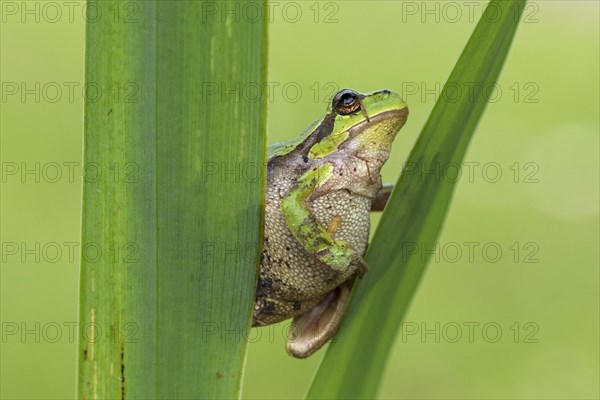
382	197
304	226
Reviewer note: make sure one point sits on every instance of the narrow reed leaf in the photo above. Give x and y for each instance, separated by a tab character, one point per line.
354	363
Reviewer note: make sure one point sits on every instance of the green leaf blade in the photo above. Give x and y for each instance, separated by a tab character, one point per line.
354	363
165	310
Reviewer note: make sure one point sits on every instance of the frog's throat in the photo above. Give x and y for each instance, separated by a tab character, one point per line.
379	130
398	114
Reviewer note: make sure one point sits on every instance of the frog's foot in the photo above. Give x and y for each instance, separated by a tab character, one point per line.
311	330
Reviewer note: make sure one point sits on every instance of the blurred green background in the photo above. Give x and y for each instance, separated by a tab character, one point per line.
509	306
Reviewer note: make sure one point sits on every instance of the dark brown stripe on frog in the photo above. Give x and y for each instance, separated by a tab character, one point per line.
321	132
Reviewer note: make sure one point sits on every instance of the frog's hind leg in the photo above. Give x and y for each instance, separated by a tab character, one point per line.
311	330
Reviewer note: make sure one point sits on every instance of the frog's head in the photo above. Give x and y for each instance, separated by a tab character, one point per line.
361	125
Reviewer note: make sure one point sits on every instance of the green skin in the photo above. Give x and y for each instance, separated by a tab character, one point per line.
320	189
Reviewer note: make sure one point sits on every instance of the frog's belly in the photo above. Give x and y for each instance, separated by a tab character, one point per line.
291	280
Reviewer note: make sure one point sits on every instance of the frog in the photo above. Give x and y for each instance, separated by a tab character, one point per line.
320	189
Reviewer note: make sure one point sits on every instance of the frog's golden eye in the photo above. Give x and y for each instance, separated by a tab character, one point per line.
346	102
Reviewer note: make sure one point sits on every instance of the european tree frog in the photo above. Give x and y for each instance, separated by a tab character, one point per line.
320	190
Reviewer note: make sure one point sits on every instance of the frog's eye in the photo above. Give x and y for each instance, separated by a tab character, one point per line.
346	102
